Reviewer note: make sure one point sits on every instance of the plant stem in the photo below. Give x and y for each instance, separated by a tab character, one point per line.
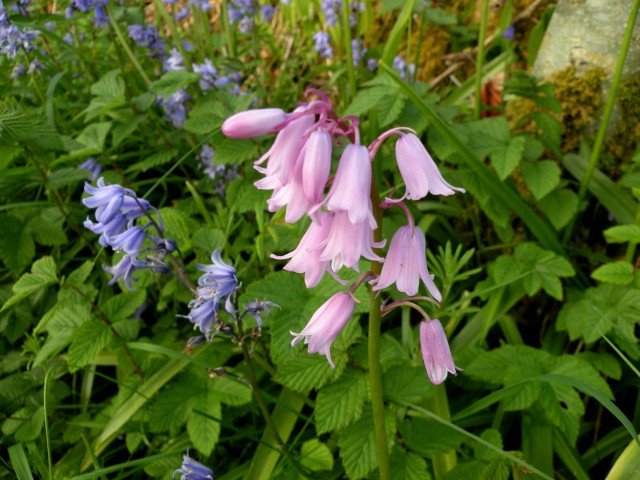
439	405
351	71
480	58
375	370
608	110
231	43
125	45
175	35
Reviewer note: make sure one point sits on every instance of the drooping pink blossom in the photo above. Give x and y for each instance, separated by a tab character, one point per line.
347	242
306	257
351	187
316	165
406	263
436	353
284	152
418	170
325	325
253	123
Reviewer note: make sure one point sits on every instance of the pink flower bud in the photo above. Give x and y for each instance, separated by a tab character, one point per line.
316	165
419	171
436	352
326	324
253	123
406	263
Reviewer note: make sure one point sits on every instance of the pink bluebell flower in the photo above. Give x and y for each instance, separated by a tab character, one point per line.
325	325
419	172
406	263
347	242
253	123
316	165
351	187
436	352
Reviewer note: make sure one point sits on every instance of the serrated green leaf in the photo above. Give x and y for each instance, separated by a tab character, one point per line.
176	225
173	81
172	406
358	444
65	176
16	245
340	403
123	305
157	159
92	139
305	372
492	436
229	391
407	466
43	274
205	118
203	431
488	135
208	239
316	456
233	151
560	206
541	177
618	273
366	99
109	85
506	159
390	106
87	342
623	233
46	228
406	384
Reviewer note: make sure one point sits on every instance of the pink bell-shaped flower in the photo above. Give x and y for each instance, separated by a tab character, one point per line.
436	352
326	324
306	257
347	242
292	194
418	170
253	123
406	263
350	191
316	165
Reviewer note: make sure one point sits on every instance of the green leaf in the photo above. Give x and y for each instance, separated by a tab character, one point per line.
65	176
109	85
316	456
205	118
395	37
506	159
230	391
208	239
618	273
233	151
623	233
305	372
358	444
19	462
87	342
46	228
560	206
157	159
403	383
541	177
177	226
16	245
407	466
173	81
390	106
123	305
340	403
366	99
43	274
93	138
203	431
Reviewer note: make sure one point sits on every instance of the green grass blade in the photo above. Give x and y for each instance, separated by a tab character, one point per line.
540	229
142	462
569	457
19	462
432	416
628	464
392	44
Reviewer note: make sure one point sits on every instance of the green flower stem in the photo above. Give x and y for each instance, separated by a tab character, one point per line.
125	45
439	405
175	34
375	370
231	41
480	58
351	71
606	116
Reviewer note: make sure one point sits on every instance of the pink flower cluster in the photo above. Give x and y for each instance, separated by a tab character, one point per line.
297	168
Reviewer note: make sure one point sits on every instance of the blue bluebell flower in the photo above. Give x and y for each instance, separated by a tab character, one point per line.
372	64
405	71
17	71
242	13
12	38
123	270
92	166
219	276
258	308
182	13
174	61
147	37
35	66
510	32
358	51
174	107
203	5
267	12
322	44
169	2
192	470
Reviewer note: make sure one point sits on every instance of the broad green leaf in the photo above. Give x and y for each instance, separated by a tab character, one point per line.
390	106
618	273
123	305
157	159
306	372
541	177
173	405
506	159
87	342
43	274
109	85
47	228
340	403
204	431
489	135
92	138
205	118
17	247
407	466
366	99
65	176
316	456
404	383
173	81
623	233
230	391
208	240
395	37
177	226
559	206
233	151
358	445
19	462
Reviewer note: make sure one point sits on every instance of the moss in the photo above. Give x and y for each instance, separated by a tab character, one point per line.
623	141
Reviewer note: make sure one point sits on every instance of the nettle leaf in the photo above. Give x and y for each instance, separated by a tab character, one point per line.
559	206
623	233
617	273
123	305
93	138
366	99
172	405
203	430
541	177
233	151
340	403
87	342
358	444
16	244
316	456
488	135
230	391
157	159
205	117
603	309
306	372
507	158
542	269
43	274
390	106
173	81
407	466
178	225
406	384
